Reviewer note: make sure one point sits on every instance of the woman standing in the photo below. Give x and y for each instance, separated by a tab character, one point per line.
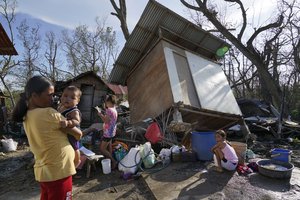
53	154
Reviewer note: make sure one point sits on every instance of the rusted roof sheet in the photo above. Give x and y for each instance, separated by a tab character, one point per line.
6	46
118	89
158	22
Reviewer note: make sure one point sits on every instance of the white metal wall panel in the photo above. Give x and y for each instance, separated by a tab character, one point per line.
212	86
173	76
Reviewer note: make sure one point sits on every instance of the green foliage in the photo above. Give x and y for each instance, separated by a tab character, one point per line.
295	114
293	95
296	141
9	106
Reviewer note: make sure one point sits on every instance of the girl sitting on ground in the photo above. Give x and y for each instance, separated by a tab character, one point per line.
225	154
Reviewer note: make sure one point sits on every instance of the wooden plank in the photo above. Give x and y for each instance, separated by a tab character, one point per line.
149	91
208	120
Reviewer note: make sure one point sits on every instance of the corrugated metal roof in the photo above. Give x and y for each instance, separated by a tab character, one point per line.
158	22
60	85
6	46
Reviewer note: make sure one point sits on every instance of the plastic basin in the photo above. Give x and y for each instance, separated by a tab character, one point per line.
272	173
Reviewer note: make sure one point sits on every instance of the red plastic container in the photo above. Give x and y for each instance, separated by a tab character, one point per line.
153	133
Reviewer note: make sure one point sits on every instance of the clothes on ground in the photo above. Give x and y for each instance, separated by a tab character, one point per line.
109	129
253	166
53	154
243	170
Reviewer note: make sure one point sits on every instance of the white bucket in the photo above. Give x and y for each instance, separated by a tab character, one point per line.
106	168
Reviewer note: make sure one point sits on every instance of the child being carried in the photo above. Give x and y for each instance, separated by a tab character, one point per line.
68	108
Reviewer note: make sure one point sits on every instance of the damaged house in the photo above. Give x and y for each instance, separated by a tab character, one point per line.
6	48
170	63
262	117
93	89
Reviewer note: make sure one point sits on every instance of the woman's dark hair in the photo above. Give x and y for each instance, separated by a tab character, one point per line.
111	98
36	84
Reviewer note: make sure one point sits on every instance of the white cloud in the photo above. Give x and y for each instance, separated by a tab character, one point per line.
71	13
67	13
258	12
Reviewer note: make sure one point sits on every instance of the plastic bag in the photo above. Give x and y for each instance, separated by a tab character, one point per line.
147	155
9	145
153	133
165	155
131	162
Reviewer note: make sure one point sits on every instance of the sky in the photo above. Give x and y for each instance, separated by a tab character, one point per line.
71	13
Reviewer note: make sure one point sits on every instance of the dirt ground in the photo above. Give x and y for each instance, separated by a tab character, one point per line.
17	182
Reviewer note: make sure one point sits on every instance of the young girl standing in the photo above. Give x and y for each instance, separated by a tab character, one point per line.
53	154
109	127
224	152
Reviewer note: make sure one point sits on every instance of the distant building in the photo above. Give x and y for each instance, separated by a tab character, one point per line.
94	91
119	90
6	46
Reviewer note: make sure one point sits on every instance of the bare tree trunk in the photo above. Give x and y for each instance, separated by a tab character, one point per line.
271	90
7	11
50	69
9	92
297	55
121	14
